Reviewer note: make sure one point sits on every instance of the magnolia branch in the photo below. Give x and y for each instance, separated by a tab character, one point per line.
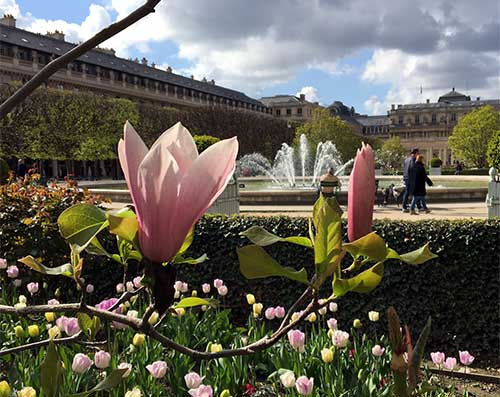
61	62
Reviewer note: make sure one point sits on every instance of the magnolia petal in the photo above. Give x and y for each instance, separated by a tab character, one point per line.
179	142
159	181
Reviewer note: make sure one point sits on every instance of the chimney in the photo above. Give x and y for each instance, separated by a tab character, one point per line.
316	103
204	79
212	82
169	69
478	98
427	101
302	97
153	65
56	35
192	77
144	61
8	20
136	60
393	106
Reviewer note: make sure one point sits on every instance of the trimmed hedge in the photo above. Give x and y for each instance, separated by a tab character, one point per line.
459	289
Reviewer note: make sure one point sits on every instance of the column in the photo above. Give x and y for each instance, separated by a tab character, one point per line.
34	55
112	77
98	71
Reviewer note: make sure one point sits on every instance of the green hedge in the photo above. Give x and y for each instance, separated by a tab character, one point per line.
459	290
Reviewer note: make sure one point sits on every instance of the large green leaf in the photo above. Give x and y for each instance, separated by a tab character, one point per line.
51	372
260	236
80	223
371	246
187	242
417	257
63	270
256	263
328	238
363	283
193	301
123	222
112	380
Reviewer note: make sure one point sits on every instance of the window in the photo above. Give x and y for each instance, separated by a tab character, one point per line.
417	119
278	112
453	117
400	120
434	118
299	111
289	112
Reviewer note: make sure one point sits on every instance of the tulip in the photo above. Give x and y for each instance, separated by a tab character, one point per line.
340	338
450	363
193	380
287	379
257	309
54	332
270	313
194	293
132	314
18	331
181	286
206	288
120	288
279	311
180	311
323	310
137	282
158	369
356	323
171	185
71	326
378	351
437	358
373	316
3	263
61	322
218	283
32	288
128	368
327	355
12	271
333	307
26	392
135	392
154	318
52	302
22	299
202	391
312	317
250	299
89	289
4	389
50	317
101	359
129	286
297	340
222	290
138	339
225	393
304	385
81	363
17	283
465	357
215	348
361	195
33	330
332	323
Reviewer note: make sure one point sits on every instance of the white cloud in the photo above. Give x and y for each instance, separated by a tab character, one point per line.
373	105
310	92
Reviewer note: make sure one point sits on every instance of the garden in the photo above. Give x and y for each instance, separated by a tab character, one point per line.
154	299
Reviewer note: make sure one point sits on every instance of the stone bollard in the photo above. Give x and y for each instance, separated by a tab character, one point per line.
493	197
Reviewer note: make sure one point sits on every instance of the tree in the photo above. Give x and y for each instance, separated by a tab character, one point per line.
470	137
493	153
204	141
323	128
392	154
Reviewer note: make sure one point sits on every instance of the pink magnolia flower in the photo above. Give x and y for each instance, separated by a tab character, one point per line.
202	391
465	357
437	358
70	326
3	263
270	313
12	271
304	385
81	363
193	380
106	305
32	288
279	311
218	283
171	185
297	340
206	288
158	369
361	195
450	363
222	290
332	323
378	351
101	359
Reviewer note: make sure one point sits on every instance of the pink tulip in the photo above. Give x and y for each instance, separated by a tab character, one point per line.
120	288
32	288
332	323
340	338
270	313
101	359
70	326
3	263
206	288
465	357
12	271
81	363
304	385
450	363
137	282
89	289
202	391
158	369
193	380
297	340
222	290
218	283
378	351
361	195
52	302
279	311
437	358
61	322
171	185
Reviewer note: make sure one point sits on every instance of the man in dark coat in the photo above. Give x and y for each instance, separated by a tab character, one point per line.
408	177
417	187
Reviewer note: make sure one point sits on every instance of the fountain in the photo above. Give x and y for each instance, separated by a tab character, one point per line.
282	172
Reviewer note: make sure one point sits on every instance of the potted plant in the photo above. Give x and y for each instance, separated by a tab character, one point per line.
435	166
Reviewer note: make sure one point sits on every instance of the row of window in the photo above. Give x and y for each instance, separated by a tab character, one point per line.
288	112
434	119
423	134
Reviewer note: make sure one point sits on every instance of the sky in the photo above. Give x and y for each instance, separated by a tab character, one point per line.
366	53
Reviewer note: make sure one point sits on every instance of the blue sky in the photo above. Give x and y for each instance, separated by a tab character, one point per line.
366	54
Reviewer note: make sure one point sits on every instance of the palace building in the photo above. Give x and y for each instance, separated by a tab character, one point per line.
290	107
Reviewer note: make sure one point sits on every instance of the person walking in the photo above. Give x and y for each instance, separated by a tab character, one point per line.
328	183
418	186
408	176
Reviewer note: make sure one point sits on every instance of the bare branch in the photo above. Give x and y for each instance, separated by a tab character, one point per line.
126	297
61	62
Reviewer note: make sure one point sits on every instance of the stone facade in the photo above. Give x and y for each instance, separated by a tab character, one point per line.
290	107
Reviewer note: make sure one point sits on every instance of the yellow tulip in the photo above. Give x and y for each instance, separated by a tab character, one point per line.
19	331
4	389
26	392
180	311
327	355
138	339
54	332
50	317
312	317
154	318
250	299
257	309
356	323
225	393
33	330
215	347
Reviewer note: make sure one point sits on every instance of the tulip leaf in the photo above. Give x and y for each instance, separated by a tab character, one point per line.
190	261
260	236
51	372
256	263
63	270
418	354
112	380
371	246
364	282
328	239
194	301
124	223
417	257
80	223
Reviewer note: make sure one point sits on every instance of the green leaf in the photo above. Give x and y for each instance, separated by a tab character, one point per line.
51	372
256	263
84	322
124	223
112	380
260	236
187	242
193	301
96	248
328	239
190	261
63	270
80	223
371	246
94	327
417	257
418	354
362	283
